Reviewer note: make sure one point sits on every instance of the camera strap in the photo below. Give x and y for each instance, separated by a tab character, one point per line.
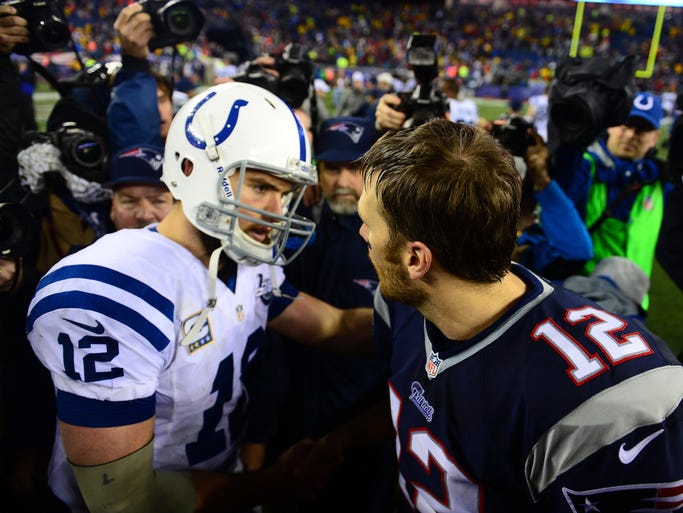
627	190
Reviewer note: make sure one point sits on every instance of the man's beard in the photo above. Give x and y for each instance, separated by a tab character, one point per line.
344	206
395	283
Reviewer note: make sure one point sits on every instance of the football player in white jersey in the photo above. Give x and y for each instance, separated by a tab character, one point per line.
147	332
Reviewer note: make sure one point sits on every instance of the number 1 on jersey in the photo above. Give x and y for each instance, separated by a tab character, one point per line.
601	330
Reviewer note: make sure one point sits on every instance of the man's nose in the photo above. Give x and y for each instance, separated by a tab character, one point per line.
145	210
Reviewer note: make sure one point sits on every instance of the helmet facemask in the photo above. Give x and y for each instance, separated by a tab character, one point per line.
226	133
223	221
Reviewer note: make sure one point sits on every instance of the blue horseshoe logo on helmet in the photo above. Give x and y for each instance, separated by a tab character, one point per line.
224	133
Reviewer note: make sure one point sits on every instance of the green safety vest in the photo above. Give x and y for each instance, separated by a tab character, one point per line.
634	239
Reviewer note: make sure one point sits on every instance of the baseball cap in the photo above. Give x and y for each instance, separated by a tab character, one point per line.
137	164
648	107
344	139
385	77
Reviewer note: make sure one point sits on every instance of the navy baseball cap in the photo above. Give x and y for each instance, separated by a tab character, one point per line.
648	107
344	139
137	164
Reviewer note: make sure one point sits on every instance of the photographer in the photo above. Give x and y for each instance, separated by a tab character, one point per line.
553	239
27	398
618	187
426	101
141	109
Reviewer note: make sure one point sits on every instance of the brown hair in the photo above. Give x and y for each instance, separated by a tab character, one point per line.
452	187
164	83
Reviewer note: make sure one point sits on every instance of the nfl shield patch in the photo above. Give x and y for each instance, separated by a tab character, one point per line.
432	366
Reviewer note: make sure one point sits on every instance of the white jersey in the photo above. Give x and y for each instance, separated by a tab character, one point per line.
463	111
539	103
107	322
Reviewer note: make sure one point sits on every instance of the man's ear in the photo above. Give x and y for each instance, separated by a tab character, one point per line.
418	259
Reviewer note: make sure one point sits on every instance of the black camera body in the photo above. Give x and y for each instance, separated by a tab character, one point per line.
426	101
82	152
587	96
513	134
174	21
47	25
294	75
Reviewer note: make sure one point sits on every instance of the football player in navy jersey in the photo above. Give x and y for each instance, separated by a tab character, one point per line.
147	332
506	394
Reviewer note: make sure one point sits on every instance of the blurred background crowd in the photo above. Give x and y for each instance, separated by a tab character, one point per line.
508	48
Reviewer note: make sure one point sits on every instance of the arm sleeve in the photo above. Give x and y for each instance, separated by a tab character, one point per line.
131	485
133	113
565	230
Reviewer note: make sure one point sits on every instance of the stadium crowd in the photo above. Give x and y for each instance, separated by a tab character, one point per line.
505	44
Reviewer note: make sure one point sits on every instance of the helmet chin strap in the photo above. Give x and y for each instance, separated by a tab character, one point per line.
211	303
276	288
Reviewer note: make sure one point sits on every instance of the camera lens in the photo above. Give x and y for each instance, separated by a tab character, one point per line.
180	21
88	152
53	33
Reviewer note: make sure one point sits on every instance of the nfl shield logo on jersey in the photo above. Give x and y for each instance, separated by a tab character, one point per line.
432	366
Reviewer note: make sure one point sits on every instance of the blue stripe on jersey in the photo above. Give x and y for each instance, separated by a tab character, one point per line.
103	305
111	277
280	303
82	411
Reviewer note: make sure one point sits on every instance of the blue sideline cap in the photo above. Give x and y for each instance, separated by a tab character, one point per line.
344	139
649	108
137	164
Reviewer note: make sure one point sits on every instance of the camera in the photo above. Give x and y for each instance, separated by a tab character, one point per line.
513	134
82	152
425	101
295	73
47	25
15	236
589	95
174	21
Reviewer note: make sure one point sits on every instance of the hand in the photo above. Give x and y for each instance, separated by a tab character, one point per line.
537	163
306	467
134	29
13	29
386	115
267	64
8	268
253	455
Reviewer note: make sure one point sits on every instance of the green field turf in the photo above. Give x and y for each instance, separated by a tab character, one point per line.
666	300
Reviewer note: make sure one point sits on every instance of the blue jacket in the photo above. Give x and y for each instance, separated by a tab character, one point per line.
133	112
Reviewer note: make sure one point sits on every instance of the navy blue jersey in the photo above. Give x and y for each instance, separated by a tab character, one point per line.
558	406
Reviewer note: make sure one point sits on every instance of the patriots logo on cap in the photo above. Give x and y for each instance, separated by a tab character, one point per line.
354	131
152	157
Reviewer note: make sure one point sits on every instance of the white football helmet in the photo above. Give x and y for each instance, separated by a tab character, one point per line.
236	127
